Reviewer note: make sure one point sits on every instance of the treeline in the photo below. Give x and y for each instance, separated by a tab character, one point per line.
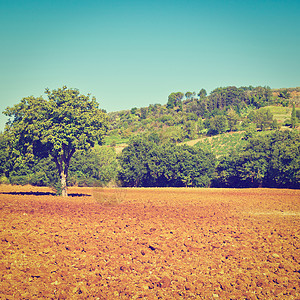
266	160
271	160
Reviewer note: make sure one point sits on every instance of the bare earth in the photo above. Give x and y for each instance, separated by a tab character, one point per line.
149	244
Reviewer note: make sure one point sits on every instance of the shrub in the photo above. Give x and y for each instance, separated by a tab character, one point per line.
4	180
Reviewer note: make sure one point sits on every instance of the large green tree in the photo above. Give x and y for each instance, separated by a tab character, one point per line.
134	161
58	126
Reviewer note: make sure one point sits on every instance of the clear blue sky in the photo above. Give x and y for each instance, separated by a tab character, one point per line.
135	53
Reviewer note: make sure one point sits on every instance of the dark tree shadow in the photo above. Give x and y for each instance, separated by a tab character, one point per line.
42	194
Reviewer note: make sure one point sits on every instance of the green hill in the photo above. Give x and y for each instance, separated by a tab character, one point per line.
190	117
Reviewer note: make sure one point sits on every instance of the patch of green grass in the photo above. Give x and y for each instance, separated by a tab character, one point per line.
223	144
280	113
108	140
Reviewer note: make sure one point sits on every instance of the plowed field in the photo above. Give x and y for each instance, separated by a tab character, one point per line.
149	244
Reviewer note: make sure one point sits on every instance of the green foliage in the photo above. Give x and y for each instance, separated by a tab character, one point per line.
280	113
262	117
202	94
250	131
116	139
284	160
293	117
184	166
44	173
172	135
144	163
4	180
217	125
191	117
298	114
190	130
174	99
260	97
233	102
188	95
39	172
133	110
96	167
223	144
232	119
3	154
135	170
99	166
231	96
153	160
167	119
66	122
271	160
285	94
144	113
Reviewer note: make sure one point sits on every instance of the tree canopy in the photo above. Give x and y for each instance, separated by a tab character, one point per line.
174	99
58	126
144	163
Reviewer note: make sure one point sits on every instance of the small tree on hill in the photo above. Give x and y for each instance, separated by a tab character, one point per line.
293	117
263	118
217	125
66	122
232	119
174	99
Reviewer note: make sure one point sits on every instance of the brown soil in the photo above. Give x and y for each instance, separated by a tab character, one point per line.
149	244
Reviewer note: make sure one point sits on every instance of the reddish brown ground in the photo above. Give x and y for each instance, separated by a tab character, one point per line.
156	243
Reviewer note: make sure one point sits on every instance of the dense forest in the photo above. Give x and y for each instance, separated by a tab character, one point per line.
244	137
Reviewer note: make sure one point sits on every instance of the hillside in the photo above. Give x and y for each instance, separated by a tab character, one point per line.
190	118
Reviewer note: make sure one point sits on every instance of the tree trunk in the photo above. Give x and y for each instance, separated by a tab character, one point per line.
62	163
63	180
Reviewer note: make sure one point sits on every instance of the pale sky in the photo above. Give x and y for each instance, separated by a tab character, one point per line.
135	53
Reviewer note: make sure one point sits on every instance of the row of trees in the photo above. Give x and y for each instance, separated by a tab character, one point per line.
223	98
271	160
146	163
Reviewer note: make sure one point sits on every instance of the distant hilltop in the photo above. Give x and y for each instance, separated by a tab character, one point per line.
294	94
